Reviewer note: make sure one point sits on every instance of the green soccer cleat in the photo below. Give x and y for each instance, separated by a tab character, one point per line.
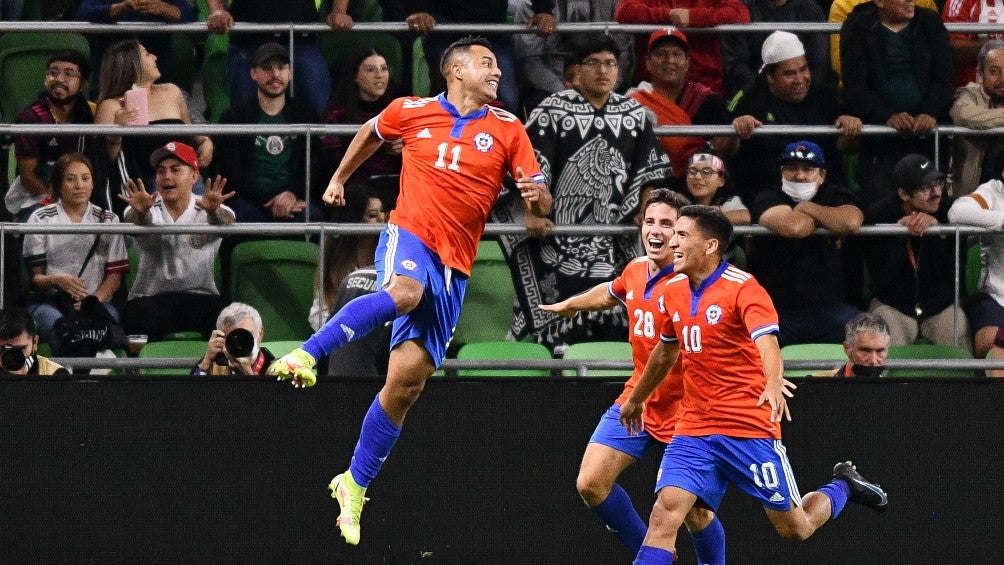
351	498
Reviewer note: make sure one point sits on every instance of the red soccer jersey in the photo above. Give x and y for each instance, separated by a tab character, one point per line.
452	171
723	375
641	295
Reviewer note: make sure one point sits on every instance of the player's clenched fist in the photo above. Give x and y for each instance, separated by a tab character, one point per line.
297	365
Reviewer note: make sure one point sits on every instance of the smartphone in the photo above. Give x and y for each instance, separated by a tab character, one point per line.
138	99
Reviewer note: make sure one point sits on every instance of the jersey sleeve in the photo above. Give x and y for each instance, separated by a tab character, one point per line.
521	155
117	257
758	313
618	289
388	124
33	247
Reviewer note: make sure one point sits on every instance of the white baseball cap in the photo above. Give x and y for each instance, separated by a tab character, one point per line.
780	46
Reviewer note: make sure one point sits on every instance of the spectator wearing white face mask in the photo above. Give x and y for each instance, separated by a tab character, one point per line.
805	274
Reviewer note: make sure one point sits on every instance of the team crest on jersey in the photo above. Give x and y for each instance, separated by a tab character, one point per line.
409	264
713	314
483	142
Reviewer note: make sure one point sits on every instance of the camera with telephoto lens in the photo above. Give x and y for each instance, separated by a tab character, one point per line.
12	358
238	343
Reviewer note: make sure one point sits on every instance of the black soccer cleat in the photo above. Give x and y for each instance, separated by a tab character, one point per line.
863	492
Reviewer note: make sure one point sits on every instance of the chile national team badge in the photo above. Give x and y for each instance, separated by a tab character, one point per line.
483	142
713	314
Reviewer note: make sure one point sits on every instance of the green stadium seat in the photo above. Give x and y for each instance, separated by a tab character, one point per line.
929	351
281	347
600	350
503	350
22	65
812	352
487	311
193	349
277	278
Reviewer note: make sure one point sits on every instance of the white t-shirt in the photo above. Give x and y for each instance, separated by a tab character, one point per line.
176	262
65	253
985	207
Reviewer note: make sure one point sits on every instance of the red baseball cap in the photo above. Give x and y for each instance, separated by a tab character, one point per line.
177	150
670	32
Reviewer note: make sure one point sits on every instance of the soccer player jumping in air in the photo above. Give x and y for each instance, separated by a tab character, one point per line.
457	150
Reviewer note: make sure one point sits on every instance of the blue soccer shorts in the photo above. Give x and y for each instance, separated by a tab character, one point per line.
706	465
435	318
611	433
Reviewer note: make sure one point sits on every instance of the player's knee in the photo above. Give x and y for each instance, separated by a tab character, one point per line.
403	394
665	517
794	531
698	518
406	292
592	489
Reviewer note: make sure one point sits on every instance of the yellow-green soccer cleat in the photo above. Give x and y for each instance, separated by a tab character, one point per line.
351	498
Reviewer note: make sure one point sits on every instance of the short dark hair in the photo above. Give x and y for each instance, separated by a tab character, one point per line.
668	197
73	57
15	321
594	43
463	44
712	223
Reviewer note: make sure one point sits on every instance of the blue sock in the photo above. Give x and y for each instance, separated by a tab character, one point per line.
838	491
709	544
619	515
649	555
375	442
356	319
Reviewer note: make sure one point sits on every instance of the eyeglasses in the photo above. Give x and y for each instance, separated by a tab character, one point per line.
597	63
65	73
706	172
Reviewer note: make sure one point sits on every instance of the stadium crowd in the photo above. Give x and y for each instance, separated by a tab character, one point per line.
910	74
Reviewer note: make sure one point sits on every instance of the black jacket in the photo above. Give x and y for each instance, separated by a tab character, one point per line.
866	85
234	153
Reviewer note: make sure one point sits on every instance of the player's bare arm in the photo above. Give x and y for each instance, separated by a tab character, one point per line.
777	387
596	298
535	194
363	146
661	360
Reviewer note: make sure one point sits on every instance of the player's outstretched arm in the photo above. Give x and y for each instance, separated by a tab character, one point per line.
596	298
660	361
363	146
777	387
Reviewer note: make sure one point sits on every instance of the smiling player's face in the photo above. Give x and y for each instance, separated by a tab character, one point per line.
481	73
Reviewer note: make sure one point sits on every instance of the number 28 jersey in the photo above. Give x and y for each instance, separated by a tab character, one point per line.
452	170
723	376
641	295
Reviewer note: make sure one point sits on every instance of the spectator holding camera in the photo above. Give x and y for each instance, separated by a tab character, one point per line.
234	347
19	346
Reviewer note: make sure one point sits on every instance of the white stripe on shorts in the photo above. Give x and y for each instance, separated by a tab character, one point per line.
388	256
789	475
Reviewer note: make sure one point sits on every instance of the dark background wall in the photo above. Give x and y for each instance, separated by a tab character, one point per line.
484	473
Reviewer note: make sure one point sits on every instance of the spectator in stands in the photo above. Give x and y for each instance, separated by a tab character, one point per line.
364	89
175	288
426	14
966	46
540	59
345	253
984	207
708	184
127	65
704	48
997	352
313	82
913	278
130	11
902	78
978	105
741	58
839	10
804	274
866	344
234	347
676	101
62	102
65	269
19	346
785	94
268	171
597	173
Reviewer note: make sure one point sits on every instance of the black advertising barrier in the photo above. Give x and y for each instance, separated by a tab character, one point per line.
208	471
